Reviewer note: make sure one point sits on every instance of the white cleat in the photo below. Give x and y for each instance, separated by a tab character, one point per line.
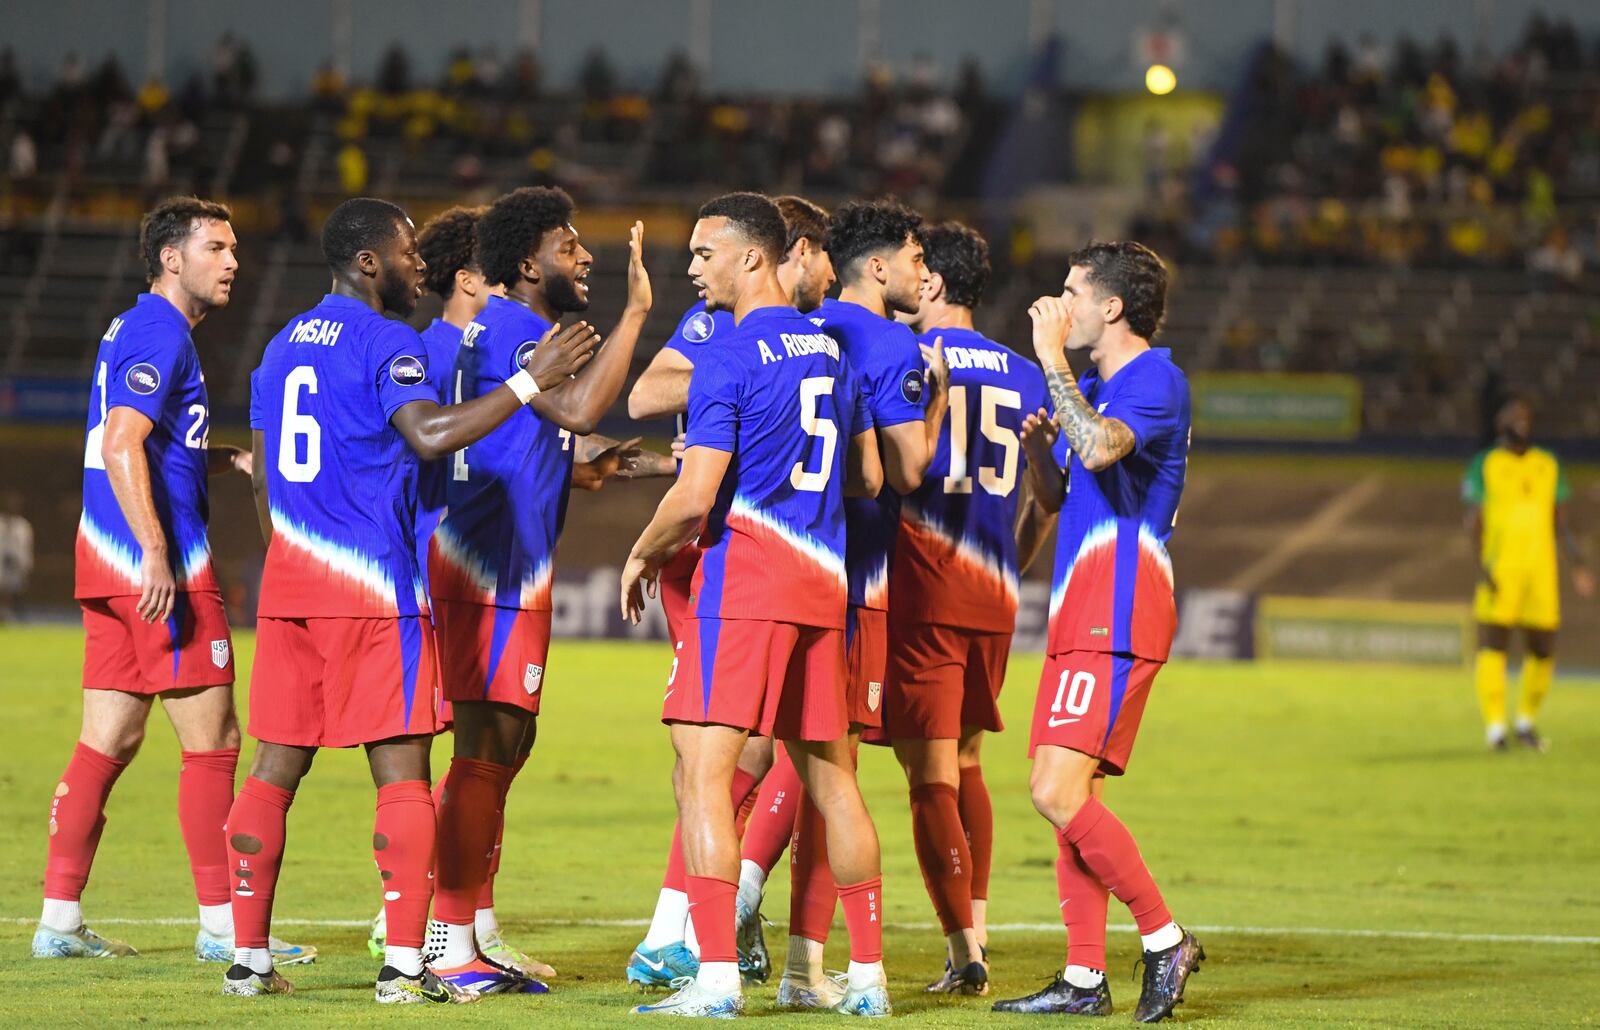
243	982
795	993
80	943
870	1001
211	948
693	1000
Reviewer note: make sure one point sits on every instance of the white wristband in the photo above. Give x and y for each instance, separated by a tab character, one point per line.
523	386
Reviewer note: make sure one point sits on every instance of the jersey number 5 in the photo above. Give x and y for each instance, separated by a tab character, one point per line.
816	425
1001	479
295	425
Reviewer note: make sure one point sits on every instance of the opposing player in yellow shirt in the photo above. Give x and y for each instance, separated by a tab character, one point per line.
1516	495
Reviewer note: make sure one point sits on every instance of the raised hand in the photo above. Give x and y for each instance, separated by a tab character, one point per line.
1051	324
640	296
561	353
1039	433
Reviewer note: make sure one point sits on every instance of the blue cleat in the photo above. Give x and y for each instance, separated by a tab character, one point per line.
659	967
1165	973
485	976
869	1001
80	943
210	948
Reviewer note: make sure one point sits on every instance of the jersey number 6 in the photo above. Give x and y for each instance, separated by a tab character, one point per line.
295	425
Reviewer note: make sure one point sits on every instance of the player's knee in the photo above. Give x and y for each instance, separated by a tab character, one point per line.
1057	800
120	743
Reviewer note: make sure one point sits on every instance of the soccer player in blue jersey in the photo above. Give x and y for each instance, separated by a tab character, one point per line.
341	410
1123	445
153	618
953	597
775	424
493	554
669	948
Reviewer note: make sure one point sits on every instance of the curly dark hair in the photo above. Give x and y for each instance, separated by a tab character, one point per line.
169	223
802	220
515	224
1133	272
862	228
360	223
961	258
755	216
448	244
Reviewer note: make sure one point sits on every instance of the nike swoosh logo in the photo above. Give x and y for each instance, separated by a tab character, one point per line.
655	966
437	994
669	694
1054	722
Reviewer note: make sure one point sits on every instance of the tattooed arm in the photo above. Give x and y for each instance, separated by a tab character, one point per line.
1098	441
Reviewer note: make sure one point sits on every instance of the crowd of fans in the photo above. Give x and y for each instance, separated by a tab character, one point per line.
903	133
1409	155
1404	155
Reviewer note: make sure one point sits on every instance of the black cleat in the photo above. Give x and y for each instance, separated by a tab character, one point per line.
1529	738
970	979
1165	973
1060	997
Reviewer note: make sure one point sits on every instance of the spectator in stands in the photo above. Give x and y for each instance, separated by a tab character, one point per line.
16	556
1556	262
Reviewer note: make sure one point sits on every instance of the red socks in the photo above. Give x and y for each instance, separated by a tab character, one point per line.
977	819
942	853
486	896
812	892
255	832
1084	900
467	827
403	846
743	790
77	817
711	906
863	908
1108	850
772	821
205	794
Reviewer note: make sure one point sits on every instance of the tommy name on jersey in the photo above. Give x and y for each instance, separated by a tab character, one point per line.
967	357
797	344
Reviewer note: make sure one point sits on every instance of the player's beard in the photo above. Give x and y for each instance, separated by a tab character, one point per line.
902	302
809	293
563	297
397	294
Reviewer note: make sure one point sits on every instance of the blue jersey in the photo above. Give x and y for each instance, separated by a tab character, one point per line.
1113	579
777	394
147	362
508	493
888	366
441	340
955	563
698	327
341	480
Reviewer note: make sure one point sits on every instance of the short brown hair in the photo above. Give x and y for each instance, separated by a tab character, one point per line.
169	223
1133	272
802	220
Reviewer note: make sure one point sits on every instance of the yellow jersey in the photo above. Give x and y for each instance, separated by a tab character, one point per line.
1517	495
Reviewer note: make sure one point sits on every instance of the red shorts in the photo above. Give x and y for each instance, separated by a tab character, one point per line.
339	682
775	679
673	589
492	654
1091	701
121	651
941	679
866	636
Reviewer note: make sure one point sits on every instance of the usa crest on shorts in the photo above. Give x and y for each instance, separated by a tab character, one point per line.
219	653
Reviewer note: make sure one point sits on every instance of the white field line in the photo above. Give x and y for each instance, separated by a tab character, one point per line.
1248	931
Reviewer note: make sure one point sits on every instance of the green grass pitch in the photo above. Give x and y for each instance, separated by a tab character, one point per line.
1281	806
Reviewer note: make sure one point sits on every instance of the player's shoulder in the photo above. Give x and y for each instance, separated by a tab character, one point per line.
699	326
1156	374
152	322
